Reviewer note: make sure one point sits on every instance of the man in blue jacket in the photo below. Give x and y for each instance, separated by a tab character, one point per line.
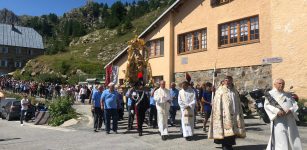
109	99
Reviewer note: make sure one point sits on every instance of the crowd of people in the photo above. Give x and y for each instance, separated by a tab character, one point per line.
158	103
224	111
45	90
221	107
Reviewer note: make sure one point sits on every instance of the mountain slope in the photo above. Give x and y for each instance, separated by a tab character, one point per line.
86	56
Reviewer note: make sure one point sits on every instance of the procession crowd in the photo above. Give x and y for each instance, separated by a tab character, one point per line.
221	108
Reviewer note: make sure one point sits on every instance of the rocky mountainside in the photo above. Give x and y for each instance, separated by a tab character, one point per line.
8	17
82	41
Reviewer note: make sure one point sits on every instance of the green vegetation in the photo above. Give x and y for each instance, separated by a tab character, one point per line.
79	44
61	110
59	31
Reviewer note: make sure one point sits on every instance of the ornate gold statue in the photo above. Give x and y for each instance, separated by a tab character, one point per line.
138	67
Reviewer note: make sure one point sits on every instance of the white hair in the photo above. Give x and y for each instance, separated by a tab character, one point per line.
111	84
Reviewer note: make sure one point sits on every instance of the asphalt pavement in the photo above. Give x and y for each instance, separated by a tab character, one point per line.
80	136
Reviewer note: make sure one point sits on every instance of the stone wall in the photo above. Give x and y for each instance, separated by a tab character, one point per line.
245	78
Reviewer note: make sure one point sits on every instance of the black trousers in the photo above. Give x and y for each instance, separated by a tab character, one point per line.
173	112
98	117
111	113
130	117
121	112
153	116
227	141
140	118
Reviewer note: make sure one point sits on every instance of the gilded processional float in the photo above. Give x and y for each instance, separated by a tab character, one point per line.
138	71
138	68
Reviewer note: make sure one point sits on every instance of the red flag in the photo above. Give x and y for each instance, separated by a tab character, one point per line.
108	75
187	77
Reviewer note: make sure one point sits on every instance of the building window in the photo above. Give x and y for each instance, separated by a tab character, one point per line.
3	63
233	33
156	47
4	50
215	3
17	64
239	32
30	52
18	50
204	39
224	35
243	30
192	41
254	28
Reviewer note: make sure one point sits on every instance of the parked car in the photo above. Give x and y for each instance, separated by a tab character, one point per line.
10	108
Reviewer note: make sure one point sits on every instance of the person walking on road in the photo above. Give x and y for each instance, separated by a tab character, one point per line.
163	100
226	122
174	104
141	105
24	107
110	104
186	100
153	110
281	109
206	98
96	108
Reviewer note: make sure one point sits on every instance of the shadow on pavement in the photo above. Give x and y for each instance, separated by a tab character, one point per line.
9	139
196	137
251	147
144	132
254	124
253	129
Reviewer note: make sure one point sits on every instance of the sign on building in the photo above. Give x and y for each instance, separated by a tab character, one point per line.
272	60
184	60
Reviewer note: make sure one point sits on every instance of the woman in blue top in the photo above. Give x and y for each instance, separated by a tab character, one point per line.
207	96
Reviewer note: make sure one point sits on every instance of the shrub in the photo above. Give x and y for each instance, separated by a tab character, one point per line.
61	110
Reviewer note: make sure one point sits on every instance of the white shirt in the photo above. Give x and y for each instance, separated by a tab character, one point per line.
24	104
82	91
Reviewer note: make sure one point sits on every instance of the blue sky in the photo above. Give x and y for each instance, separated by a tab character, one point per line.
41	7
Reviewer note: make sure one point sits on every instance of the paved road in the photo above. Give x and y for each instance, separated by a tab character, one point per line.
81	136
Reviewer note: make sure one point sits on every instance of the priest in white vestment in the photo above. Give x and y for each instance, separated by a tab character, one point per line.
186	100
285	135
163	100
227	121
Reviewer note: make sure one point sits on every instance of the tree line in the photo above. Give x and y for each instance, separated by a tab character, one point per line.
58	31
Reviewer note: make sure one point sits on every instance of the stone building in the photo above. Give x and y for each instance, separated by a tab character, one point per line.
255	41
17	46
